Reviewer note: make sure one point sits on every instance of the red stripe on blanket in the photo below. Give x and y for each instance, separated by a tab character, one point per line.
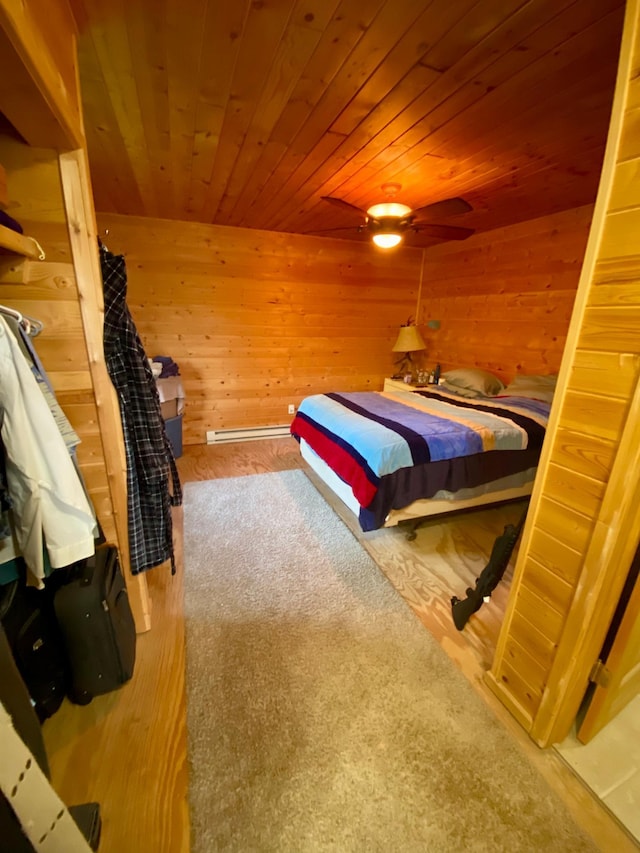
338	459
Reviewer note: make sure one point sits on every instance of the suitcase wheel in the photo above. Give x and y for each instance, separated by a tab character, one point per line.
80	697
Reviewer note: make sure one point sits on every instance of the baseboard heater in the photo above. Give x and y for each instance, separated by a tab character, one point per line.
224	436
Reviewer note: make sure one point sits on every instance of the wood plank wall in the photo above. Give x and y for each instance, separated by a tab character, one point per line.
555	592
258	320
504	297
47	290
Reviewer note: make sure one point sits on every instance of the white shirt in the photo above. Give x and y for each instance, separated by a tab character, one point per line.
47	495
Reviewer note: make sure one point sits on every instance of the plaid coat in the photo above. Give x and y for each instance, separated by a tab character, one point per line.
150	461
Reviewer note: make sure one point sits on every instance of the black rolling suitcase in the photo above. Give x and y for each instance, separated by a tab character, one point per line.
97	625
28	619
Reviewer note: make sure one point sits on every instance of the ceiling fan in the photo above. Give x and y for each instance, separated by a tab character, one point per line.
389	221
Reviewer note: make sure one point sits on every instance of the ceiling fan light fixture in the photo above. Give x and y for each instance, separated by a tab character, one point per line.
388	221
387	239
388	208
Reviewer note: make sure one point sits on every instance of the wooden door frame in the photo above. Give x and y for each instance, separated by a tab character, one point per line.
612	548
621	660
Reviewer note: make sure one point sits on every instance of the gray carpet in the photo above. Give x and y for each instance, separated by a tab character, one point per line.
322	715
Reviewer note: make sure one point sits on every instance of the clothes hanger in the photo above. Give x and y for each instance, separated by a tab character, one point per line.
31	326
11	312
101	242
35	326
41	253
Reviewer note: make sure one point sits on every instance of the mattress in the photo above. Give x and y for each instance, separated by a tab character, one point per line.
385	451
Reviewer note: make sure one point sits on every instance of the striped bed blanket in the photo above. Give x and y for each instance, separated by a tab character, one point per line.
372	439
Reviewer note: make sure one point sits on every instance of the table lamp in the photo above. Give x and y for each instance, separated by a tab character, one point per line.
409	340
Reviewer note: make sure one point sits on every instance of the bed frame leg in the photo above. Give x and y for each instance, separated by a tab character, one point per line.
412	532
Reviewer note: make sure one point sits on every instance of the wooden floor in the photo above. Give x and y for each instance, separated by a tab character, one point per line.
127	750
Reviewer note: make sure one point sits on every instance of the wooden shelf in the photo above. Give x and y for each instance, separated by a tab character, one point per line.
11	241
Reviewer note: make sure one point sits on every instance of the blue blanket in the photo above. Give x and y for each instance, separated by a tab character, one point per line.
365	437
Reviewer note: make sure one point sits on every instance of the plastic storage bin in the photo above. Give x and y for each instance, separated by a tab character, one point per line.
173	427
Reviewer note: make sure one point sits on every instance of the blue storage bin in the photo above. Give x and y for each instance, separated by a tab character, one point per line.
173	426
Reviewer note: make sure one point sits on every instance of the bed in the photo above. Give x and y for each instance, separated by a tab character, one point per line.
397	455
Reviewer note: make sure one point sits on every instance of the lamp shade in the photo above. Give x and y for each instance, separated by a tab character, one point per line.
387	240
409	340
389	208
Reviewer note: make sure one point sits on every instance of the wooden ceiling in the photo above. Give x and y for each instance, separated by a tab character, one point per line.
246	113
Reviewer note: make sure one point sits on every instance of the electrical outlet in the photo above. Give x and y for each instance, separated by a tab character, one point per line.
292	409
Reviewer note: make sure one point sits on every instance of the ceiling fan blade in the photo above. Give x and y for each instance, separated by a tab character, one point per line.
443	232
344	204
331	230
447	207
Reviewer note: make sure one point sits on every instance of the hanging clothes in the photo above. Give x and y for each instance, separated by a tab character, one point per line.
150	461
50	507
5	499
12	565
71	438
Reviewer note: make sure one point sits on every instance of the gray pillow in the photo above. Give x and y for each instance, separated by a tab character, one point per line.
534	387
473	379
